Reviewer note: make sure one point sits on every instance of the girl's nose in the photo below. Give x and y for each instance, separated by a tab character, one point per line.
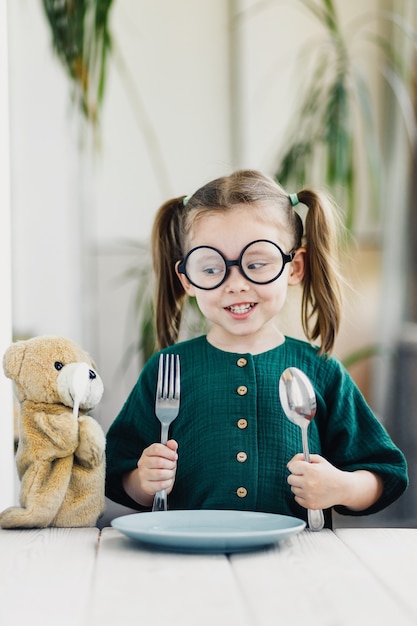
235	280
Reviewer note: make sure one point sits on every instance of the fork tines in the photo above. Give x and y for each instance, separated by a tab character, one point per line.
168	377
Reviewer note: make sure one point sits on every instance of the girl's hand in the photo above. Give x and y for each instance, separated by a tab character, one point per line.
320	485
315	485
157	467
156	470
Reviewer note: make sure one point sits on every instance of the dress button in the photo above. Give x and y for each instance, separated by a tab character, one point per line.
242	492
242	390
242	423
241	457
242	362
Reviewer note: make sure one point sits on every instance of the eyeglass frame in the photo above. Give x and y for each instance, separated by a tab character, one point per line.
286	258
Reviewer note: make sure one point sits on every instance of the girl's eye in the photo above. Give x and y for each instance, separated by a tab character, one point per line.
212	271
58	365
256	266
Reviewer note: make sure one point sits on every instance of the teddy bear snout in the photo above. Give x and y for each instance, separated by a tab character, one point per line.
81	382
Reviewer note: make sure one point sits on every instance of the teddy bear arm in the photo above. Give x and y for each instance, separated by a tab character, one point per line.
92	442
58	432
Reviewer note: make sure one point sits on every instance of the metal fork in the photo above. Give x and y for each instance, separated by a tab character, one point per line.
167	405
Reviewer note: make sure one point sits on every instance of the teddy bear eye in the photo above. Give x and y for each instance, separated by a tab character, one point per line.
58	365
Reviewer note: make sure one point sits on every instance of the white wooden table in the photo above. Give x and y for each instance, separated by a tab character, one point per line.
85	577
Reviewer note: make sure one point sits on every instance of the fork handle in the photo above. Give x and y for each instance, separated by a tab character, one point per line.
160	501
164	433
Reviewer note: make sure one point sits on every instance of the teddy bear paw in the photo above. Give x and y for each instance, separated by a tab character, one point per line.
18	517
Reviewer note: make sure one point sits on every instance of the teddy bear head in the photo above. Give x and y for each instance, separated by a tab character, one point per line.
50	369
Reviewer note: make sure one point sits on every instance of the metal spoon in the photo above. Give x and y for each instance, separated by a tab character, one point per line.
298	400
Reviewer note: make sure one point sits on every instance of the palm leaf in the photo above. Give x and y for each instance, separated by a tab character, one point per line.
81	39
336	114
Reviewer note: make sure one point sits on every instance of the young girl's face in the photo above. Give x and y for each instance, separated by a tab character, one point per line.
242	313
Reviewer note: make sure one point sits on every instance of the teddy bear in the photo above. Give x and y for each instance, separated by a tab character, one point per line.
60	455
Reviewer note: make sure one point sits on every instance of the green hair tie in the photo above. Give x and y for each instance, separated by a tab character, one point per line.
185	200
293	199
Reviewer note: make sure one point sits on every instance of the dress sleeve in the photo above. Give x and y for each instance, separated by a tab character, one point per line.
354	438
135	428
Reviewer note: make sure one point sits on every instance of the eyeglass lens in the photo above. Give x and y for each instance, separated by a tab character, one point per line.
260	262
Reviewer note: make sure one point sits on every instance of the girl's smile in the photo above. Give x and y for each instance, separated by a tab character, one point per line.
240	311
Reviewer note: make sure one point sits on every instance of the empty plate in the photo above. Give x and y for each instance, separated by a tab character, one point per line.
208	530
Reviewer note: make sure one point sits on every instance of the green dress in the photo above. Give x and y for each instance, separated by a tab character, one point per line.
234	441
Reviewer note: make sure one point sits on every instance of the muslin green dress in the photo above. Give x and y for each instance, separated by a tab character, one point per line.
234	439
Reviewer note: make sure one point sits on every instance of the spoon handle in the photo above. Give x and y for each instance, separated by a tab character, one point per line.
315	519
306	451
315	516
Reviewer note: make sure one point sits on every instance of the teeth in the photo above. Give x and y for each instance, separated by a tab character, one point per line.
243	308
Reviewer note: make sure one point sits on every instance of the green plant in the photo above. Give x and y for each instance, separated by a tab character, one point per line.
336	121
81	39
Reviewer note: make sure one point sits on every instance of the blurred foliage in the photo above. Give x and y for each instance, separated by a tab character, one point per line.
141	310
337	116
81	39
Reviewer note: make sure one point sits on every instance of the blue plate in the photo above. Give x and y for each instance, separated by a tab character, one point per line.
208	530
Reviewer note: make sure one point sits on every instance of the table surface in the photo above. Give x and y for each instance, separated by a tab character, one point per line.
353	576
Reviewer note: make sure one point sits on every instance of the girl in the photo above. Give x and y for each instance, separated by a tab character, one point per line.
236	245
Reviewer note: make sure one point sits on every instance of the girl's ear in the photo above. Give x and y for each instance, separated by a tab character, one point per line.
297	267
187	286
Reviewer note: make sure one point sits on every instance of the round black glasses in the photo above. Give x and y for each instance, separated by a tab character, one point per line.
261	262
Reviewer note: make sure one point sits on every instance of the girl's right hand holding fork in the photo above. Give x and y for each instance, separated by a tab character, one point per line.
155	471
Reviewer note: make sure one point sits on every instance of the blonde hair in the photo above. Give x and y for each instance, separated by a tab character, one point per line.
321	300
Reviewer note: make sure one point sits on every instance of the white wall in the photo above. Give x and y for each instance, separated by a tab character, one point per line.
7	491
45	191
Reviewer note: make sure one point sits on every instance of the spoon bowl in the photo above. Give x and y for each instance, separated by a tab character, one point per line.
297	396
298	400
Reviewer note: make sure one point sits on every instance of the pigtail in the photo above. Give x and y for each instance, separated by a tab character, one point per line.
322	296
169	295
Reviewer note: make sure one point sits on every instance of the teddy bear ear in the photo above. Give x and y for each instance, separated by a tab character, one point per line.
13	358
